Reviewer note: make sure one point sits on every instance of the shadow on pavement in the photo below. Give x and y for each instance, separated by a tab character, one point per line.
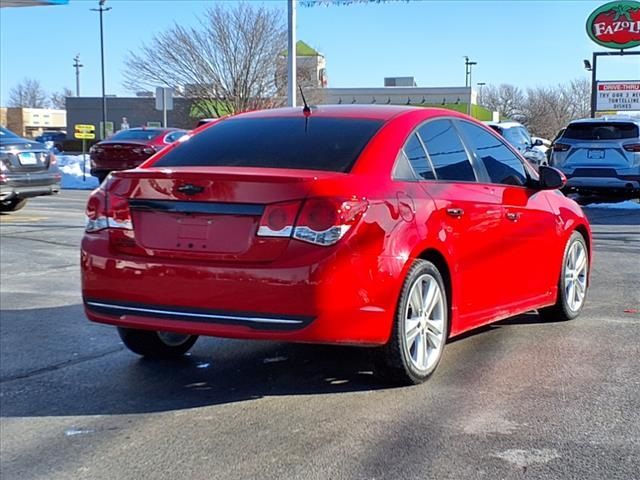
108	379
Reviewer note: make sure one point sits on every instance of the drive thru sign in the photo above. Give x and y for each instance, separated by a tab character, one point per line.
85	132
618	96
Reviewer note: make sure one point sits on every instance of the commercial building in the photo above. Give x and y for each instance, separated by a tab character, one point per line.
31	122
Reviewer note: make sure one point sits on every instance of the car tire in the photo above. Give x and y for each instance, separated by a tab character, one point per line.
13	205
420	328
152	344
573	282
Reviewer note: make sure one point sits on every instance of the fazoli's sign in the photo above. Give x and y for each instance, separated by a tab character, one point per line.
616	24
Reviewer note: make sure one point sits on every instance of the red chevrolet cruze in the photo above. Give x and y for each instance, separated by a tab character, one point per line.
381	226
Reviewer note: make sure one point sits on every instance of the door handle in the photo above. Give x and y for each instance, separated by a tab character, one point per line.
455	212
513	216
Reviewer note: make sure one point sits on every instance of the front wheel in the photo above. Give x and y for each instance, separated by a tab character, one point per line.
13	205
420	329
572	287
154	344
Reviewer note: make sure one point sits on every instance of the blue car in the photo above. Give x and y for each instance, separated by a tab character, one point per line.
55	137
600	155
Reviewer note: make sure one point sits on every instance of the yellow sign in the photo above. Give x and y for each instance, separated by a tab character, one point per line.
84	135
85	128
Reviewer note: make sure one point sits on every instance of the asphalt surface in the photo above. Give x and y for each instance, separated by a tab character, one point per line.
518	400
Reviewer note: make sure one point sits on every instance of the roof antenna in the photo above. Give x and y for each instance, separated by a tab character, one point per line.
306	110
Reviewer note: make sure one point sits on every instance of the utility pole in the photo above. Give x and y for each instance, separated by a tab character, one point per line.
468	65
77	65
101	8
291	53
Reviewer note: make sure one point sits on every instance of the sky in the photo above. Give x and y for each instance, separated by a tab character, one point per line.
522	42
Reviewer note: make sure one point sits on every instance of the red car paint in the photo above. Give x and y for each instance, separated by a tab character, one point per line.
118	153
501	258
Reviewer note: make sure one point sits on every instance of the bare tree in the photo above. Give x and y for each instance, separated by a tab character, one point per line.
226	64
506	99
59	99
28	94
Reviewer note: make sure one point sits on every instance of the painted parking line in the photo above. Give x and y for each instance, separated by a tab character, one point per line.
12	219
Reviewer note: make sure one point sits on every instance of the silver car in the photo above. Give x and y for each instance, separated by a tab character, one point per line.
518	136
600	155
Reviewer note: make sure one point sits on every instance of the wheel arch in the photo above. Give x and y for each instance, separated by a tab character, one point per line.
438	259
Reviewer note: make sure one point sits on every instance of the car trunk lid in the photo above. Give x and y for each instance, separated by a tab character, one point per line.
121	155
25	157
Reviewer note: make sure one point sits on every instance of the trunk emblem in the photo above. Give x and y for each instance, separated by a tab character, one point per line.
190	189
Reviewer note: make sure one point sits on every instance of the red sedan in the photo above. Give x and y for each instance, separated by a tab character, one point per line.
380	226
129	148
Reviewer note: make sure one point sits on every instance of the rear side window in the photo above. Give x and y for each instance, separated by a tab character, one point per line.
321	143
601	131
418	158
446	151
502	165
146	134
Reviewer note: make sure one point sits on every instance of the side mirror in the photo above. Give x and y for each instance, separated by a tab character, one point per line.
551	178
537	143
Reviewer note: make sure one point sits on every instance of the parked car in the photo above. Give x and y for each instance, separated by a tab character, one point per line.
27	169
383	226
52	138
518	136
129	148
600	155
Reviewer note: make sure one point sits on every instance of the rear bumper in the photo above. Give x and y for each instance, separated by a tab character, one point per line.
29	185
341	298
630	184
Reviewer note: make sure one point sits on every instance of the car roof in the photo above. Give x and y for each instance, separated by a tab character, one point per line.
609	119
373	112
508	124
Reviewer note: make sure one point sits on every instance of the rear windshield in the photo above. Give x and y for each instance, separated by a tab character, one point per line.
601	131
146	134
331	144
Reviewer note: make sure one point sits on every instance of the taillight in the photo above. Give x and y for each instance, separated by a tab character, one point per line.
96	211
107	211
561	147
324	221
278	219
632	147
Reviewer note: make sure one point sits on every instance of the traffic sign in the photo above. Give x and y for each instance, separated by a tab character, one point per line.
84	135
85	128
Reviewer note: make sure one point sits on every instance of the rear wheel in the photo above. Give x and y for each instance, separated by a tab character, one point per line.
420	329
154	344
13	205
572	287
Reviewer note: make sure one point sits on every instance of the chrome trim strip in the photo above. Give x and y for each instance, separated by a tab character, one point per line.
197	315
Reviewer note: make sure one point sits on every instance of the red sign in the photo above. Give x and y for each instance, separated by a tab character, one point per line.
619	87
616	24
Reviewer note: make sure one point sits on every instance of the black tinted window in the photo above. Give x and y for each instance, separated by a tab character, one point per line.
601	131
418	158
501	163
319	143
138	134
445	149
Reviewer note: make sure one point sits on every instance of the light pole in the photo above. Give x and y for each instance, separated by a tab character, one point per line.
101	8
468	65
77	65
480	85
291	53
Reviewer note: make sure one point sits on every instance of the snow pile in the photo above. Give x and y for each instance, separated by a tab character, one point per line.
626	205
71	168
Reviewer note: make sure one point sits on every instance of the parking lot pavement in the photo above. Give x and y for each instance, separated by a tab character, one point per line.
520	399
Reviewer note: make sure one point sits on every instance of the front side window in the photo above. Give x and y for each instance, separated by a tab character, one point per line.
418	158
502	165
446	151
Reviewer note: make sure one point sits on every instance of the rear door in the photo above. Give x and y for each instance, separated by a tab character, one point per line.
471	215
528	230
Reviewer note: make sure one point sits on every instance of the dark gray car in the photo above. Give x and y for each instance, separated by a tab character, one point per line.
27	169
600	155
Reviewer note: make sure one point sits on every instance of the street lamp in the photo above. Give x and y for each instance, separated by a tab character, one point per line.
101	8
587	65
468	65
481	84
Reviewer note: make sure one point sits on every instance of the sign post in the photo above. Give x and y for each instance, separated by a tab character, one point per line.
84	133
164	102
